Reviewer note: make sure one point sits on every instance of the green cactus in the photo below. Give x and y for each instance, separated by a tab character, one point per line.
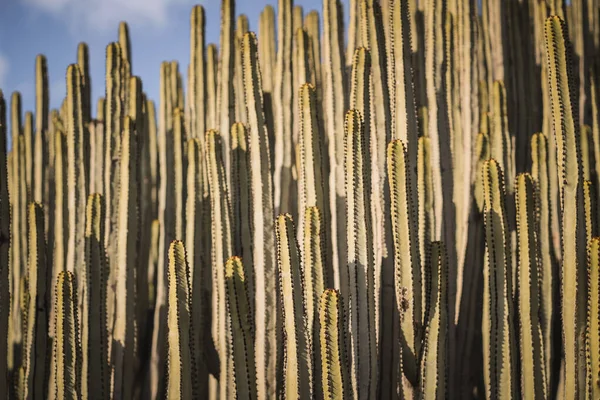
593	317
180	359
263	237
548	273
335	378
361	275
298	373
67	351
566	129
37	314
197	77
408	276
498	328
221	251
95	369
239	306
336	103
531	343
434	361
40	186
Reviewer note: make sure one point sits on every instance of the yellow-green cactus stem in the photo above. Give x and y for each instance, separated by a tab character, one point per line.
41	141
37	315
66	352
498	329
435	361
360	259
221	251
593	317
531	343
548	273
180	359
408	274
335	378
95	370
263	238
197	94
566	131
297	339
242	333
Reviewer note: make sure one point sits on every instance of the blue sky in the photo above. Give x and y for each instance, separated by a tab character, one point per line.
159	30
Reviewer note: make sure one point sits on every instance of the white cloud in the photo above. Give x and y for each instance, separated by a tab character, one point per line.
4	67
104	15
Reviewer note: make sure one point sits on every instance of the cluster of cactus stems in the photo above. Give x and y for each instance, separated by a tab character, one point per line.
406	210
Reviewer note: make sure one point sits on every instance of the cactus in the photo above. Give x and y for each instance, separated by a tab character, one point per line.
239	307
95	370
180	362
335	379
361	274
67	352
263	237
434	363
37	314
566	130
531	344
498	328
298	344
221	251
469	123
593	317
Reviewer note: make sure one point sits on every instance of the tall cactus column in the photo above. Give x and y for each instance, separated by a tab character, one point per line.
263	251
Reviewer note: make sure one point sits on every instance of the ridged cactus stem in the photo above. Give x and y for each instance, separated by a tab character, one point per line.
593	317
335	105
263	238
360	267
498	327
335	379
531	344
434	361
180	359
312	181
197	96
95	372
283	108
566	131
297	339
124	329
548	273
227	56
40	192
239	306
240	202
408	274
195	242
67	353
37	314
221	251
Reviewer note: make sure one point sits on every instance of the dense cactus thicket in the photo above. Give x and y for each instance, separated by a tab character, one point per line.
406	209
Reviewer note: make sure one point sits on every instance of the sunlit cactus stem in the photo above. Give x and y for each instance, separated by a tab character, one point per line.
242	333
335	378
37	315
180	359
67	351
298	344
